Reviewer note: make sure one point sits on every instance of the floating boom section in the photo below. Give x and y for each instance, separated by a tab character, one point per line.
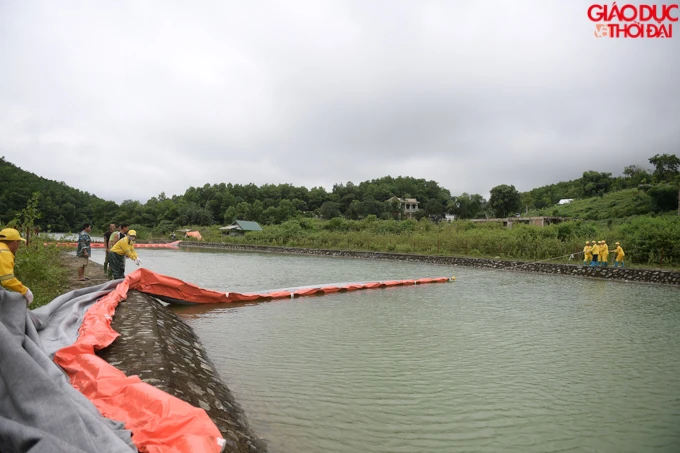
173	290
161	423
100	245
328	289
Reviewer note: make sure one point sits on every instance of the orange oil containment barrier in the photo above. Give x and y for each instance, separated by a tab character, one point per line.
100	245
173	290
161	423
329	289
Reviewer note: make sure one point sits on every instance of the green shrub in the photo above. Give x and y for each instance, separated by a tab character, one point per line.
39	267
646	239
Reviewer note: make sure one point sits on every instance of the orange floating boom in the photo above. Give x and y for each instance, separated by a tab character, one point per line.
100	245
160	422
172	290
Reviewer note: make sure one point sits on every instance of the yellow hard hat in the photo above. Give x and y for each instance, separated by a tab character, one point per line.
10	234
132	233
587	242
618	243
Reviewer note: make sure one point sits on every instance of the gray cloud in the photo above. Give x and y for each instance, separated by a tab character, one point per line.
469	94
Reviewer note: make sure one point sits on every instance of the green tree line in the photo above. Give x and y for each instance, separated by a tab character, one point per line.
64	208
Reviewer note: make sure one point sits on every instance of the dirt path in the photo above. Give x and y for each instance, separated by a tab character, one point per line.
93	271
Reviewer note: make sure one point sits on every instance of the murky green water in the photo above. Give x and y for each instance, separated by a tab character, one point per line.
495	362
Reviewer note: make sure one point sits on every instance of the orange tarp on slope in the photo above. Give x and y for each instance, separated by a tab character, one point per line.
161	423
195	234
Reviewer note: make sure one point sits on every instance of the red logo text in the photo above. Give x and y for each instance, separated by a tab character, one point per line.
633	21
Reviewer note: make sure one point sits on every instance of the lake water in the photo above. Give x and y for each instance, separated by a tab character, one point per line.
494	362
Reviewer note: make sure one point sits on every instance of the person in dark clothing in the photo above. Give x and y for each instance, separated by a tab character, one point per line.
107	235
84	252
118	235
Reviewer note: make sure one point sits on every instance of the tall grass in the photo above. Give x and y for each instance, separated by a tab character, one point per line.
624	203
39	267
646	239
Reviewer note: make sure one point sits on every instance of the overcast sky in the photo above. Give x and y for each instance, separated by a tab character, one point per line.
128	99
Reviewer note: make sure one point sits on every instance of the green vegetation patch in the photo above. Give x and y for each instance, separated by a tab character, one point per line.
39	267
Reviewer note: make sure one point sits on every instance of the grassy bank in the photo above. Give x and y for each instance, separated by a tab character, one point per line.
614	205
647	240
39	267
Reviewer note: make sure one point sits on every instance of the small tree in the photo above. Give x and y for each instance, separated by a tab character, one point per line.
635	176
467	206
25	220
434	208
666	166
595	183
664	197
504	200
329	210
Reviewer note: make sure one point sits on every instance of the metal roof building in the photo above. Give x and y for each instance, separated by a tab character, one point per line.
241	226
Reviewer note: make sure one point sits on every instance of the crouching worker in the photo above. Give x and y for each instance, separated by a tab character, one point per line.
619	255
10	239
123	248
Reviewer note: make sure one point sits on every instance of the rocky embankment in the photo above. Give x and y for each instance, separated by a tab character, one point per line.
163	351
610	273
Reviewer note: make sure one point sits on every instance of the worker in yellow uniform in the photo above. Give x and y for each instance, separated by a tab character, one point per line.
595	251
619	255
604	254
121	249
10	239
587	254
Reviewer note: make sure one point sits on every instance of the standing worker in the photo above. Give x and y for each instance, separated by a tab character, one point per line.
604	254
84	251
122	248
10	239
107	235
118	235
595	250
619	255
587	254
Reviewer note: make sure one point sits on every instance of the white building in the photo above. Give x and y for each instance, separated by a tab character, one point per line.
408	205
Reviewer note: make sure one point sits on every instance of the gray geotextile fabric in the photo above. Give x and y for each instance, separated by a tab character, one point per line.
39	409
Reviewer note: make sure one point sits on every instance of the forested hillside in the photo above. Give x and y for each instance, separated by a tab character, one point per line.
62	207
597	196
596	184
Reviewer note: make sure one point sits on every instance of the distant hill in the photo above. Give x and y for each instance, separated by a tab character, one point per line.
624	203
597	196
63	208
